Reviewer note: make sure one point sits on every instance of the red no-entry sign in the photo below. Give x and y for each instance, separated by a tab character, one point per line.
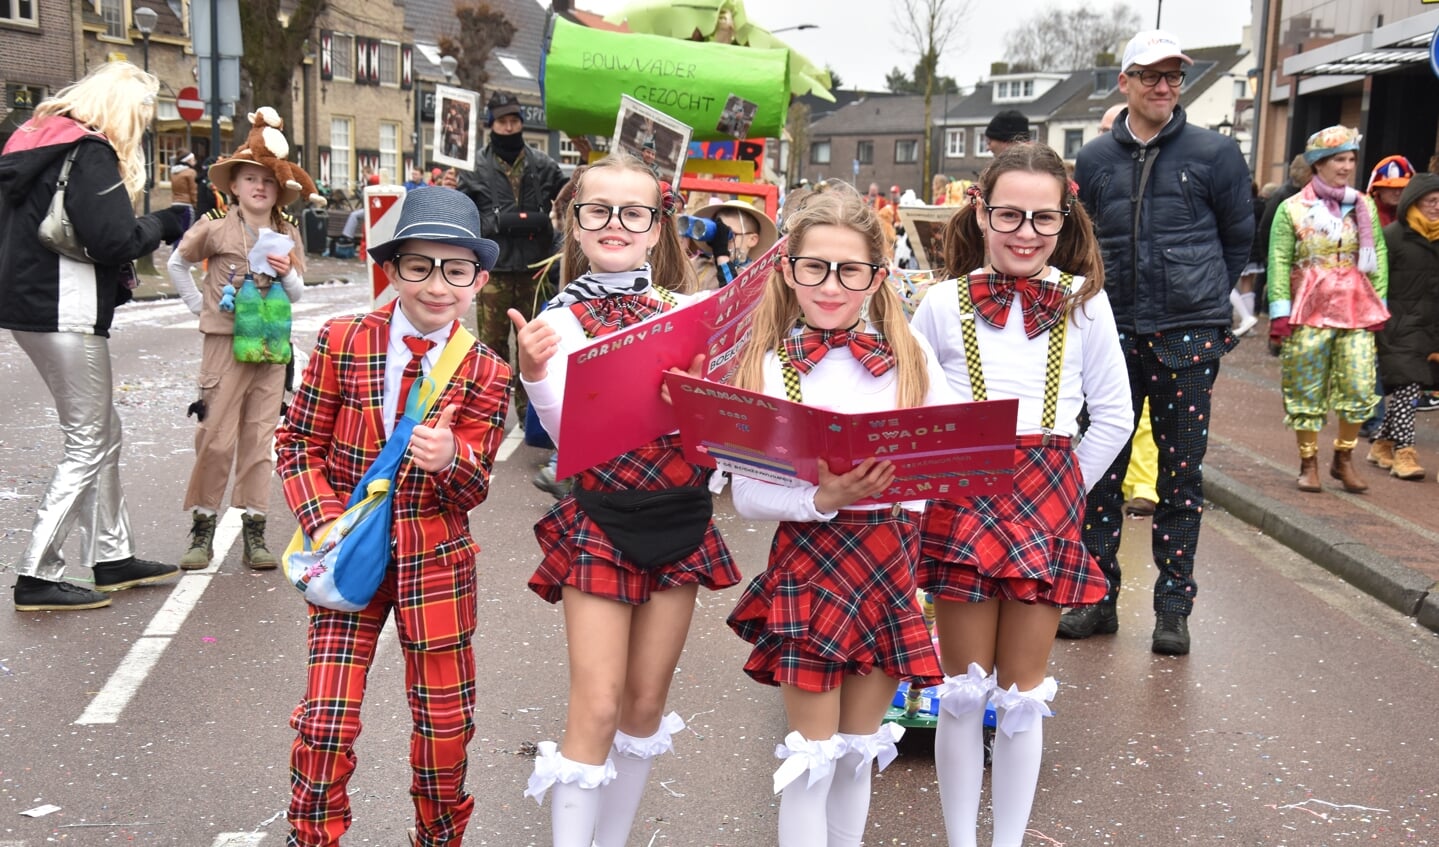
188	101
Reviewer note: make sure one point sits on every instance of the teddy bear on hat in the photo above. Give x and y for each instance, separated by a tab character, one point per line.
266	146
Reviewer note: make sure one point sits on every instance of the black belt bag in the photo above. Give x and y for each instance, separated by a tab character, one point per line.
651	528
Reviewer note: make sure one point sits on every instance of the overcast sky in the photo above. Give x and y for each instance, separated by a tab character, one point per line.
860	41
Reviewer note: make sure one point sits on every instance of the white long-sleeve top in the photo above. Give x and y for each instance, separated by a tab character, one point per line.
839	383
1093	370
547	395
182	277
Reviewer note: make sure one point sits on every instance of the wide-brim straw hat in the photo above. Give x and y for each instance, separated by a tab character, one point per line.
768	233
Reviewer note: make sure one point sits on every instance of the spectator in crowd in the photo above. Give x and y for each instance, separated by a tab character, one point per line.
417	179
742	234
1106	121
60	310
513	186
1006	129
1169	263
1409	343
1328	276
1386	183
184	186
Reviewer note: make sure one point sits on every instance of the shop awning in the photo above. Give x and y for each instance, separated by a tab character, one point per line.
1387	48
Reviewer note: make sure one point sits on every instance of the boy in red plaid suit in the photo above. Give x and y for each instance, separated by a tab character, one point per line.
341	417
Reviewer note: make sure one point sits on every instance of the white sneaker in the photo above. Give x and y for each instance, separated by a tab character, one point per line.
1245	324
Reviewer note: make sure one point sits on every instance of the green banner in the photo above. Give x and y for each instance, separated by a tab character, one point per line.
586	70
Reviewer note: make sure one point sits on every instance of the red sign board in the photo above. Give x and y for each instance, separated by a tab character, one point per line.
188	101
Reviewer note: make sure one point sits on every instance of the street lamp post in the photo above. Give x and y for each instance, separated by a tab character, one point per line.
145	19
448	65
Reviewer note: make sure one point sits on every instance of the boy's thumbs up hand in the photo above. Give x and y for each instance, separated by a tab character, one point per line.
538	343
433	448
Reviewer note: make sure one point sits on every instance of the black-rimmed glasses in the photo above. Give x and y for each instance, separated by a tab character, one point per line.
1149	79
809	272
1005	219
417	267
596	216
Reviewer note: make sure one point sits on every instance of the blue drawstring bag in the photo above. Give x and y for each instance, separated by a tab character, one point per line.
343	568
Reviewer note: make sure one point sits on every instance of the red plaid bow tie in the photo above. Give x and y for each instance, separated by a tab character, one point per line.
605	315
1041	300
806	349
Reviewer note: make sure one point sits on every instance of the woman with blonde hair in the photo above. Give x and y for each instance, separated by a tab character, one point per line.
60	309
834	619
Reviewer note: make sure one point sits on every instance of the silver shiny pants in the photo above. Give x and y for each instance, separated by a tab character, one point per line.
85	490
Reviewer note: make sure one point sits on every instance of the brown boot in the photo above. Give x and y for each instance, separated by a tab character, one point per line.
1342	469
1406	464
1309	474
1381	453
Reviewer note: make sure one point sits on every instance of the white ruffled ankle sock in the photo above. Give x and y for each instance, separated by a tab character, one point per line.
959	752
575	805
620	798
1018	748
847	809
803	783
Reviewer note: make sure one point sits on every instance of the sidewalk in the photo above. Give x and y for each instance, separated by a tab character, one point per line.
1384	541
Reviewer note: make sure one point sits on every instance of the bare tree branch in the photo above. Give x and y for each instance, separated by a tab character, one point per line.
1059	39
927	27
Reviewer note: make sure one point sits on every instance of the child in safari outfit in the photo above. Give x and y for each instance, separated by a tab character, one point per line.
242	380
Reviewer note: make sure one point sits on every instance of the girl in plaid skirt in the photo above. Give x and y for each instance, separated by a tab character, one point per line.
1029	321
627	612
834	619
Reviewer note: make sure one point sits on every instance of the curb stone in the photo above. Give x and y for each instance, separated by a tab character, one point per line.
1384	578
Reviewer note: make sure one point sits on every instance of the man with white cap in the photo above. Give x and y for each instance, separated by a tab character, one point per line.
1171	206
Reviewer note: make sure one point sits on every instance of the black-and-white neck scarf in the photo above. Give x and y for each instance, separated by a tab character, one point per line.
594	286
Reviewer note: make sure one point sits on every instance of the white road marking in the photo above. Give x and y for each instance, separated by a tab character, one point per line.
120	688
238	839
514	439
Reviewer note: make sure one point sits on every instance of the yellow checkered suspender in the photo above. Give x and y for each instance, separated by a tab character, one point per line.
790	375
1053	360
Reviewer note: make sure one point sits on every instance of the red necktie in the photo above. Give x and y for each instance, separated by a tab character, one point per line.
1041	300
419	346
806	349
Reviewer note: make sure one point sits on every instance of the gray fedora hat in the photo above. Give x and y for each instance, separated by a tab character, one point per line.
442	215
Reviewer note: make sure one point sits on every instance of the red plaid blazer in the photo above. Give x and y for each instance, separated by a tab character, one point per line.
335	429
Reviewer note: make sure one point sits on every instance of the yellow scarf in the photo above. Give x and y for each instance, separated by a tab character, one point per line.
1422	225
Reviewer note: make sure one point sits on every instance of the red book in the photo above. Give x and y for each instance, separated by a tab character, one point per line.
612	385
951	452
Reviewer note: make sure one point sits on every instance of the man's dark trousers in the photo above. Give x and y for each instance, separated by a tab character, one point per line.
1176	371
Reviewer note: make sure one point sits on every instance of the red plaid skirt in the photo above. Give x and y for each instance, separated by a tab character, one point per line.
578	553
1023	546
838	598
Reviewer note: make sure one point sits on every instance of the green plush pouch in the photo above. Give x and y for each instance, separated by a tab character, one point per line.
262	324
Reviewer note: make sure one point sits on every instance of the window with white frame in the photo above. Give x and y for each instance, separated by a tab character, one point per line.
954	143
906	150
981	142
390	152
116	22
342	154
1073	140
819	153
167	149
390	64
342	56
568	153
19	12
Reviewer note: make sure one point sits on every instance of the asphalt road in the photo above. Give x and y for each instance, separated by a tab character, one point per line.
1304	717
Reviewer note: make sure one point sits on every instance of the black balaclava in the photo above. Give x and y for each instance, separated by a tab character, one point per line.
508	147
